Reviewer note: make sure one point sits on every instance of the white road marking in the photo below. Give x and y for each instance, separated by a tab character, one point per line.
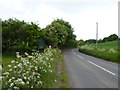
78	55
102	68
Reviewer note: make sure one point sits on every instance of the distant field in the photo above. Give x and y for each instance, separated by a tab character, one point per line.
108	50
111	44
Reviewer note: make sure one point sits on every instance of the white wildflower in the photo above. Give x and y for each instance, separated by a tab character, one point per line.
19	81
12	61
28	78
33	73
20	65
51	59
22	83
16	62
112	51
30	57
19	72
49	66
10	69
12	84
36	68
50	71
25	77
9	65
17	52
26	53
47	58
44	70
40	82
49	46
6	73
38	76
10	80
55	80
27	82
13	78
15	66
18	56
16	88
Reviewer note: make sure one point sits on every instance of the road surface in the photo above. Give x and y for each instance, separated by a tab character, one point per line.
85	71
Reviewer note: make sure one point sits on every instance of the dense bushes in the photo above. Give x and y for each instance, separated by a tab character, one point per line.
20	35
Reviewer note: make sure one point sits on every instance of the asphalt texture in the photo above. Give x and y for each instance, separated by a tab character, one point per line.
86	71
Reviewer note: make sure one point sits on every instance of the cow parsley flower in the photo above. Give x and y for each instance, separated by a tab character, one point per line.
12	84
9	65
26	53
12	61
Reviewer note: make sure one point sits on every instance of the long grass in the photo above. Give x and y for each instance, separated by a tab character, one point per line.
35	70
108	51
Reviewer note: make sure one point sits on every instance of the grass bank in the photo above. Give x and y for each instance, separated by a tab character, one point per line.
108	51
63	81
34	70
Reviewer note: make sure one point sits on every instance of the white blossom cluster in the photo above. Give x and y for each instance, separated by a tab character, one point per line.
31	71
90	47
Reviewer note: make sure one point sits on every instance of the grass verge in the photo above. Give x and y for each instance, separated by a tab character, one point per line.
35	70
109	54
62	75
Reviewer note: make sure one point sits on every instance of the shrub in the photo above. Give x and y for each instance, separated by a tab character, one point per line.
35	70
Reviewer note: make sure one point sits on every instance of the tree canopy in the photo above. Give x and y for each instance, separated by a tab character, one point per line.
22	35
111	37
60	34
19	34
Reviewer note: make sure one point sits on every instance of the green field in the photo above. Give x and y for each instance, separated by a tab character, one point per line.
107	51
112	44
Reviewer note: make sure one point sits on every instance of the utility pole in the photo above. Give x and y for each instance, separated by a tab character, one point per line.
96	34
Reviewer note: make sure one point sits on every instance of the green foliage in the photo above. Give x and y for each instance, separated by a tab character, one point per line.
112	37
110	44
108	51
35	70
59	34
19	35
81	42
90	41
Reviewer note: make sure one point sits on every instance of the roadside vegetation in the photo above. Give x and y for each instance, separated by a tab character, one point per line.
37	70
27	66
107	50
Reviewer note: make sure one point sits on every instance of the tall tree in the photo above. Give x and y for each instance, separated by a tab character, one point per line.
59	34
19	34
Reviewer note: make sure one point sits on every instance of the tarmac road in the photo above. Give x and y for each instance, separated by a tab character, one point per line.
85	71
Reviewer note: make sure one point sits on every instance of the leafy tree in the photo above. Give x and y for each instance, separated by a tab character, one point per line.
81	42
112	37
59	34
19	34
11	30
100	41
90	41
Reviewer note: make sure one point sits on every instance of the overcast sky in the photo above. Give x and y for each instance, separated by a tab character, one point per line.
81	14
